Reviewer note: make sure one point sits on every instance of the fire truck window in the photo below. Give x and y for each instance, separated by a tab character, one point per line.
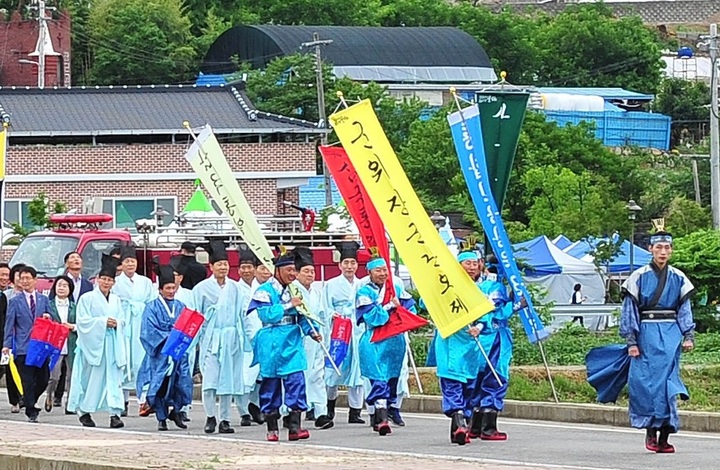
45	254
92	256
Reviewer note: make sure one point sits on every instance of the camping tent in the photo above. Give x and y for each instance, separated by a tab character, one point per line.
621	264
562	242
558	272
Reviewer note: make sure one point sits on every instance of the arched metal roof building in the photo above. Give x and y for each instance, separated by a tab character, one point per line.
392	55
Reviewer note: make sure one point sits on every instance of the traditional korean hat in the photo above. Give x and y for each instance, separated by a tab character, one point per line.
127	250
376	261
248	257
284	257
303	257
347	249
216	251
109	266
165	275
467	250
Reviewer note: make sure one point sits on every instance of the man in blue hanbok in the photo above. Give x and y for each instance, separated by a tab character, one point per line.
134	291
170	383
222	340
339	301
458	361
100	357
315	371
279	348
496	339
380	362
657	323
179	266
248	403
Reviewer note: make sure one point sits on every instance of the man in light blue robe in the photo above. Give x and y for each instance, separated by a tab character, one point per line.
458	361
657	323
248	404
134	291
380	362
315	371
339	301
279	349
100	357
497	341
170	383
222	340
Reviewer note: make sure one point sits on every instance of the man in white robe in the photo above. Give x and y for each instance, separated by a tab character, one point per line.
100	356
134	291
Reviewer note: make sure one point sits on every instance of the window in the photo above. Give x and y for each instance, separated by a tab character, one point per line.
127	210
92	256
45	253
16	212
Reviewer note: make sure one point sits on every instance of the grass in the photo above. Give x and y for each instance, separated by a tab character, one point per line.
531	384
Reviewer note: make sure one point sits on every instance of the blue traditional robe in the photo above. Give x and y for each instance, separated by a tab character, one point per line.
222	341
100	357
383	360
497	341
279	345
134	293
338	296
315	371
170	383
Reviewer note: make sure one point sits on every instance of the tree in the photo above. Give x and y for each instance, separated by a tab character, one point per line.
39	210
313	12
588	46
571	204
686	103
140	42
685	217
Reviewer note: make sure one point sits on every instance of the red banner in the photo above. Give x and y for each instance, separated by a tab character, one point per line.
360	207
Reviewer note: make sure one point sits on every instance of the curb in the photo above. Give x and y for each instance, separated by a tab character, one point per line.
33	462
607	415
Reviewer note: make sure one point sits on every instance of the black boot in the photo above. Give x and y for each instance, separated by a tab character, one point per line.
310	415
651	439
176	418
476	423
324	422
245	420
295	430
116	422
663	446
394	415
458	432
125	411
255	413
162	425
210	424
273	434
286	422
489	430
87	421
224	428
354	416
184	417
331	408
381	422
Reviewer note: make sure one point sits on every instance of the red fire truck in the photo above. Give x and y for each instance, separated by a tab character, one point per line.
83	233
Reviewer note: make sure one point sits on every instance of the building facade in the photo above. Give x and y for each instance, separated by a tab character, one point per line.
125	148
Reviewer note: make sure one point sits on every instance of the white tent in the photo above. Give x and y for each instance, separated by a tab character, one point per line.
558	272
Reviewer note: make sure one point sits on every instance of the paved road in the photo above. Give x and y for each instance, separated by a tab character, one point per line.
531	443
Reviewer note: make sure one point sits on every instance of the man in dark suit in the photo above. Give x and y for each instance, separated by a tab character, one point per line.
194	271
73	270
4	283
22	311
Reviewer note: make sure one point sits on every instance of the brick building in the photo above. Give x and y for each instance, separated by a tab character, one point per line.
19	41
126	146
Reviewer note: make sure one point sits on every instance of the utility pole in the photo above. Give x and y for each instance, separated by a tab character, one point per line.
712	41
316	43
42	26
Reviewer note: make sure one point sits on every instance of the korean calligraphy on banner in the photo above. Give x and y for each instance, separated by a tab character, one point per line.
452	298
359	206
208	160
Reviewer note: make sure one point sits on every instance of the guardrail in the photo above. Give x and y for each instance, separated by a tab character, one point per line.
597	317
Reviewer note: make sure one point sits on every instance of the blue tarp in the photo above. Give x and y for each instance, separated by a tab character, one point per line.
621	263
562	242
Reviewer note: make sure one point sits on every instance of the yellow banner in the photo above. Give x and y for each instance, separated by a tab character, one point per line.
451	297
208	160
16	375
3	152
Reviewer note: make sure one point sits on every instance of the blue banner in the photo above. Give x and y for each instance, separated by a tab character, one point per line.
468	139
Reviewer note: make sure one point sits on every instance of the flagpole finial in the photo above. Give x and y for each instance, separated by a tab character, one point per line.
503	74
339	94
186	124
6	124
453	90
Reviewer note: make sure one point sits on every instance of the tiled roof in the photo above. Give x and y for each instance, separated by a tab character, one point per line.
139	110
652	12
312	195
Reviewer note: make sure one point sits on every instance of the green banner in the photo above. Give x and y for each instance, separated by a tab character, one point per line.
501	115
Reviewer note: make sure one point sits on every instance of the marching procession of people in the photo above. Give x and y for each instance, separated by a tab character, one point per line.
264	343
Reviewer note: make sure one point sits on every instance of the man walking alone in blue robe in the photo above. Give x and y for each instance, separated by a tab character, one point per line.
171	385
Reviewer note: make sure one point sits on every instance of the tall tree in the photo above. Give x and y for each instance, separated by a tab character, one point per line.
140	42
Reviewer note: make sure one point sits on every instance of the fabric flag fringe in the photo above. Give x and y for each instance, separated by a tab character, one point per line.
183	333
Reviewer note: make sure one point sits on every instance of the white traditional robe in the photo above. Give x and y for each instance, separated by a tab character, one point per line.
251	325
222	339
100	356
315	372
134	294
